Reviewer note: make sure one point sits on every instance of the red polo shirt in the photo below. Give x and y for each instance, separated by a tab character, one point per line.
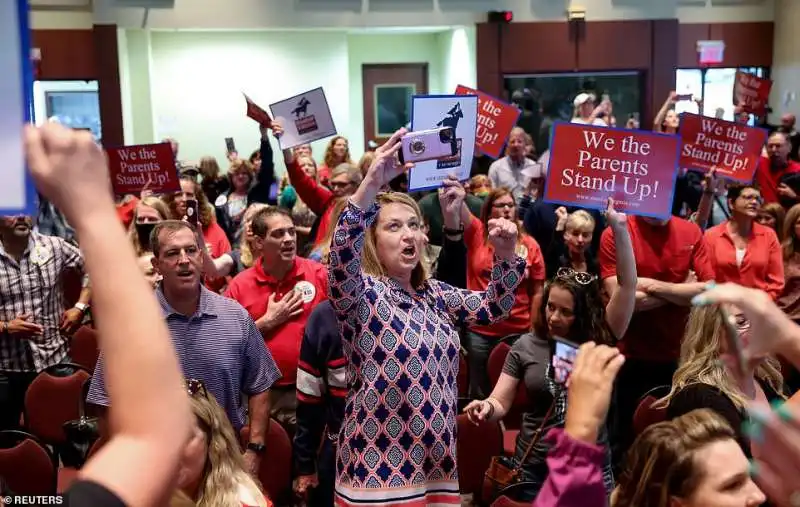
480	260
253	287
762	265
665	253
768	178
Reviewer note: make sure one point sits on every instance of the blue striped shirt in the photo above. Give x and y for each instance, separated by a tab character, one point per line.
219	345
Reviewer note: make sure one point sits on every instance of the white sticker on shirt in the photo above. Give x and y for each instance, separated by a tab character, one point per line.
307	290
40	255
221	200
522	251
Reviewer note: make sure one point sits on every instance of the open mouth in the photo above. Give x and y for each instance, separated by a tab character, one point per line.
185	274
409	251
287	250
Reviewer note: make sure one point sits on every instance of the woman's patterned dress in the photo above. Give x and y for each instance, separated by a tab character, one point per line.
397	444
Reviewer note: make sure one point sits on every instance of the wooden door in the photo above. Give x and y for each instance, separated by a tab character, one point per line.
388	89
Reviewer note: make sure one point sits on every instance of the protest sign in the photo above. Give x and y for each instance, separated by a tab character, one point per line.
751	93
257	113
733	148
133	168
17	193
589	164
434	111
305	118
495	121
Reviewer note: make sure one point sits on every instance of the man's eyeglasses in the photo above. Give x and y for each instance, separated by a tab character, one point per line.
195	387
581	277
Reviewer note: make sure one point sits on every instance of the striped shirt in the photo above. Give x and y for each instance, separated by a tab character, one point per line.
34	286
219	345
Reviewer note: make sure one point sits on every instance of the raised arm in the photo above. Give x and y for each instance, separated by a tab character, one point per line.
265	179
623	300
140	461
707	200
662	113
316	197
346	281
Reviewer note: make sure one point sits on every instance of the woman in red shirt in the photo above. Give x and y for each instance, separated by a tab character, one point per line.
482	339
743	251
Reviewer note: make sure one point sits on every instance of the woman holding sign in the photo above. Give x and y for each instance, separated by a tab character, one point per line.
398	328
572	313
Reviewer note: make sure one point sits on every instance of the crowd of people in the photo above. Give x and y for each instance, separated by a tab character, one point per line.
340	306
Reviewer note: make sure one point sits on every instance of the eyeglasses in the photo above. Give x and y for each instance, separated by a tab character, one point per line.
581	277
195	387
501	205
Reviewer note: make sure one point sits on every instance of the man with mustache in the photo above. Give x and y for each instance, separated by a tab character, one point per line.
216	341
34	324
777	175
279	292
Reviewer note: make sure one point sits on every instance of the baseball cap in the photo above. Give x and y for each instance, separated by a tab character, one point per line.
582	98
188	169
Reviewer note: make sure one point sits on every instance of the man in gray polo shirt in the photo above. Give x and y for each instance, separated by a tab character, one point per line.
515	169
215	338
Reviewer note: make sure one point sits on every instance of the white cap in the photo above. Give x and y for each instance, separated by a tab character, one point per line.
582	98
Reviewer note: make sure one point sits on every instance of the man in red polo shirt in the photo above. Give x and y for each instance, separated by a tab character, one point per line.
773	174
670	254
279	292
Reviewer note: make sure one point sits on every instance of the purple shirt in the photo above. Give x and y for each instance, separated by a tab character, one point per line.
219	345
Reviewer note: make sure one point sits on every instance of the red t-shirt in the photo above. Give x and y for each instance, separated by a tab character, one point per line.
768	179
253	287
480	260
217	244
665	253
762	264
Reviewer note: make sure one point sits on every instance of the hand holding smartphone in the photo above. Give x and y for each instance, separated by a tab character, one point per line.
192	212
563	359
430	144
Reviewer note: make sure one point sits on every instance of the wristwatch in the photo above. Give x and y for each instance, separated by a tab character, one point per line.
256	448
453	232
83	307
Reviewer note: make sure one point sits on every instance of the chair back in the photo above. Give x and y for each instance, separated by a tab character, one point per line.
476	445
83	349
497	358
276	465
54	397
26	464
646	415
462	380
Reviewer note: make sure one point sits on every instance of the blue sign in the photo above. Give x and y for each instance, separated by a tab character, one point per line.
17	192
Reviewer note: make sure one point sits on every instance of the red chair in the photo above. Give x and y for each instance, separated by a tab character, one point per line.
276	466
647	415
513	419
54	397
476	445
83	348
26	464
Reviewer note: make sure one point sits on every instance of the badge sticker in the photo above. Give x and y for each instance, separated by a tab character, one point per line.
40	255
522	251
306	290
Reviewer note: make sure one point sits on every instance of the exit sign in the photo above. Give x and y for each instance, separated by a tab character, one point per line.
710	52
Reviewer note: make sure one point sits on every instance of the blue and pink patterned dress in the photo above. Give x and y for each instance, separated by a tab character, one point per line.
397	444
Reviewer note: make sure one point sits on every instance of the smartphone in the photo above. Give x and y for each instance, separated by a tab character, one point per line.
733	339
563	359
430	144
230	145
684	97
192	212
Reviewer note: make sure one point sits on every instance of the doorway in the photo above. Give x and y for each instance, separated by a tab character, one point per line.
388	89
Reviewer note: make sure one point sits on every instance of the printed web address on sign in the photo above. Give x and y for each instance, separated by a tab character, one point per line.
617	202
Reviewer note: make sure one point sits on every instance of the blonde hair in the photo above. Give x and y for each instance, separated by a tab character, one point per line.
699	362
225	473
370	263
366	160
163	211
325	242
791	243
776	211
580	220
660	465
245	248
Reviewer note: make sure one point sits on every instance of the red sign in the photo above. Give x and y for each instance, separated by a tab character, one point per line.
150	166
589	164
733	148
751	92
257	113
495	121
